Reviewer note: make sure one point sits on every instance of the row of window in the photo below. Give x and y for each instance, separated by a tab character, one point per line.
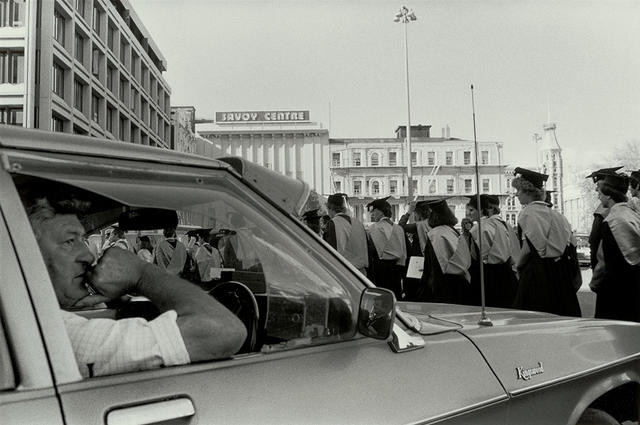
128	56
11	67
375	160
127	131
375	187
12	13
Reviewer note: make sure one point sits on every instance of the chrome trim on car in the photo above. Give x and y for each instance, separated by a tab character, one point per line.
463	410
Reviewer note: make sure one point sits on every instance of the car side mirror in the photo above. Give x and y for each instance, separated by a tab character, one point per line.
376	313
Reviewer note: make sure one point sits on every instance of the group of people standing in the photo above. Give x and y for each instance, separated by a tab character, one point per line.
531	267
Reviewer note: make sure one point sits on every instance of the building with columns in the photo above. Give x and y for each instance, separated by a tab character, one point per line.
370	168
283	141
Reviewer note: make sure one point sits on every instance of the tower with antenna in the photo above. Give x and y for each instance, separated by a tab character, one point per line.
549	162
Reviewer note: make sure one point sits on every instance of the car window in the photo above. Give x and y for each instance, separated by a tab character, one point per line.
298	297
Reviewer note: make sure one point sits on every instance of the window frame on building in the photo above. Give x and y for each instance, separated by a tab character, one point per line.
486	185
12	115
448	158
357	159
12	13
12	66
78	94
375	159
357	187
431	158
450	186
59	30
484	155
468	185
335	159
393	159
57	79
95	108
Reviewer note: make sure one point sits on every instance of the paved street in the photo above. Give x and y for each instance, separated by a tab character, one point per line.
586	298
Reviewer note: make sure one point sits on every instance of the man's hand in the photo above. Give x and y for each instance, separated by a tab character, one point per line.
118	272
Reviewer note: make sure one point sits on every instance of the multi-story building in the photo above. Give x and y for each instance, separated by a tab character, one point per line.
371	168
82	66
283	141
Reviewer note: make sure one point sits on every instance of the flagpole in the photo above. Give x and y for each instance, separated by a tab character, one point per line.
484	320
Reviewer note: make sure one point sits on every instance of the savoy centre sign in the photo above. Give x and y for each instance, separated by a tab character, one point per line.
262	116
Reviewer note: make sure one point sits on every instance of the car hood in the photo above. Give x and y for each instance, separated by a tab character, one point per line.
528	349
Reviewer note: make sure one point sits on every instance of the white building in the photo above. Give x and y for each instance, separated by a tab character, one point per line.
283	141
370	168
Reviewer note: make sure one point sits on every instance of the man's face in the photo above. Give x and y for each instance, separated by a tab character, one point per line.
472	213
66	256
605	200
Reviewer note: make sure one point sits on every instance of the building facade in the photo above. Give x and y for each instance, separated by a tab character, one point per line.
83	66
283	141
366	169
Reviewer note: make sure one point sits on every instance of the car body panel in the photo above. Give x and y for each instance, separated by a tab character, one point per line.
349	382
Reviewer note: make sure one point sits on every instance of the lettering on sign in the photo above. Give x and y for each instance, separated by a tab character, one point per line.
527	373
262	116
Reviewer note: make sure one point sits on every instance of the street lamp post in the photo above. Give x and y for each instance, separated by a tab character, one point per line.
406	16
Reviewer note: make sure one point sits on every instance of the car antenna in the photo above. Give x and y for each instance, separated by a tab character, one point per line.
484	319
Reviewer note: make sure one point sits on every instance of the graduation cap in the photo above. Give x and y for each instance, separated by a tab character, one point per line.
337	199
615	182
487	200
439	206
533	177
379	204
599	174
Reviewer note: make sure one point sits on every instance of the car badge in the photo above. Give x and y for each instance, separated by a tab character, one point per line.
527	373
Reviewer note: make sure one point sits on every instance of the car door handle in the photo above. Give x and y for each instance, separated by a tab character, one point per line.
152	413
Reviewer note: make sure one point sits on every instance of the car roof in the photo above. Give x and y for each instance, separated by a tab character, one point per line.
39	140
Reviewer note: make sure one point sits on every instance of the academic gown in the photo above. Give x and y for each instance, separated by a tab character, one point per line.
499	253
445	278
548	266
387	255
616	278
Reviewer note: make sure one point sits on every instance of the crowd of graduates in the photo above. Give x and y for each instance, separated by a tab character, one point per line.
533	266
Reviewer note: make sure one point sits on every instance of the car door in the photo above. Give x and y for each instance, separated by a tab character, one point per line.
27	394
311	365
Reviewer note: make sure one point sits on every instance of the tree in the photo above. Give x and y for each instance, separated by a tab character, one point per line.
628	155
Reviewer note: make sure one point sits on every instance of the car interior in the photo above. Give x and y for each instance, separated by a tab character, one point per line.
282	302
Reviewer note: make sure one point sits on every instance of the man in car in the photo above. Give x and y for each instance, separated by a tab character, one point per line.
192	327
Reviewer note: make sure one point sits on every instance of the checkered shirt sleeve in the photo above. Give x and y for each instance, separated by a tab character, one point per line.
107	346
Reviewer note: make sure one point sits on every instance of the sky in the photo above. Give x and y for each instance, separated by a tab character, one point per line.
575	62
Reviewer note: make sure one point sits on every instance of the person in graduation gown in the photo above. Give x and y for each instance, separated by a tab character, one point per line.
387	248
445	277
346	234
312	220
500	251
471	217
598	215
205	255
616	278
417	229
548	267
170	254
634	191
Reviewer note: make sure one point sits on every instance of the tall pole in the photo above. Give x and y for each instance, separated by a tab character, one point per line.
484	320
408	134
405	16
